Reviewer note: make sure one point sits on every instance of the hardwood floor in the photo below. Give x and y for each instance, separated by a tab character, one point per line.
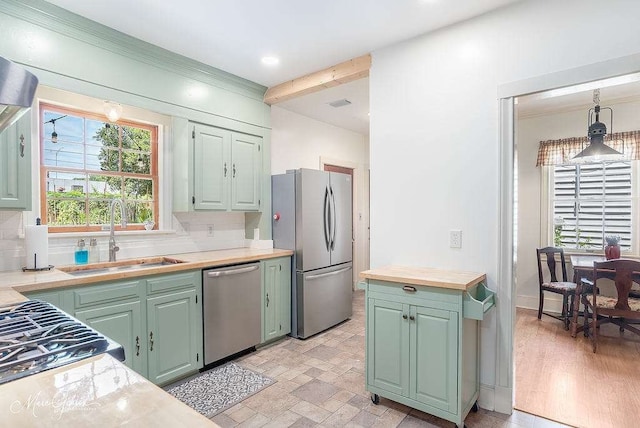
559	377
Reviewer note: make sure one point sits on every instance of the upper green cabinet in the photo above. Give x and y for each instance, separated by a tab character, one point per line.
227	169
15	165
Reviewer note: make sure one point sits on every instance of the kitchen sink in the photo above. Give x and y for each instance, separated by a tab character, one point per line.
121	266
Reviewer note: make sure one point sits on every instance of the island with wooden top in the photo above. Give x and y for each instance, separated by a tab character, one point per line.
423	337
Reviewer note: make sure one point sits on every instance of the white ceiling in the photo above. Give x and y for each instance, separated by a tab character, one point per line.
580	97
306	36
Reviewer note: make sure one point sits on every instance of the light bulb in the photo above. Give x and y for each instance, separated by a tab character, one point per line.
112	111
54	137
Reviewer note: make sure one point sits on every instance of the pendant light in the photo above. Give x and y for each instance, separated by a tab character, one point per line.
54	134
597	150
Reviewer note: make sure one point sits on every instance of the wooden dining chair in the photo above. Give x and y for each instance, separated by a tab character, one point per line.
615	309
566	288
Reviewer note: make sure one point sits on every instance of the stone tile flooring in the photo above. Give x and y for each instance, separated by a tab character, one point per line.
321	383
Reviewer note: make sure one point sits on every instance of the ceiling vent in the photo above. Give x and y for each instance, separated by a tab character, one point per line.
340	103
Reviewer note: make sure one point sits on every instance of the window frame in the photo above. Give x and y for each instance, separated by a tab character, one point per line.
153	164
547	212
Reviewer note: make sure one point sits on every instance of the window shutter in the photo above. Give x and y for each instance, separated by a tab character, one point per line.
594	200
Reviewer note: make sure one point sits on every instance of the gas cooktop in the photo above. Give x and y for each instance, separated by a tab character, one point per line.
36	336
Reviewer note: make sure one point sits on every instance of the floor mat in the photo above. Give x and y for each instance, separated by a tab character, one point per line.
217	389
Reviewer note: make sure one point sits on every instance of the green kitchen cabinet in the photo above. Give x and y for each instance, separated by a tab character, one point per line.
115	310
227	167
15	165
422	341
276	298
157	319
57	298
172	335
121	322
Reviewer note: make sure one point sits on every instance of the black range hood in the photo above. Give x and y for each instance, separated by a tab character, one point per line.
17	89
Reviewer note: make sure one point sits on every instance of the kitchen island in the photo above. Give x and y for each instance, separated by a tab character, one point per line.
422	338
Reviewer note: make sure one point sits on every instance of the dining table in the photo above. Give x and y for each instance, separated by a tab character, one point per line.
582	265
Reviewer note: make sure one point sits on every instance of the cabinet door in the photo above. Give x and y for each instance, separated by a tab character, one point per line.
434	357
276	298
246	169
388	346
15	165
171	335
212	168
270	301
121	322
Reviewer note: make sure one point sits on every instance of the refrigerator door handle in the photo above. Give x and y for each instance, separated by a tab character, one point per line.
325	217
335	218
323	275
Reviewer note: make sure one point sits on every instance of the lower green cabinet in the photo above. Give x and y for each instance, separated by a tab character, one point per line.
121	322
156	319
172	321
276	298
420	350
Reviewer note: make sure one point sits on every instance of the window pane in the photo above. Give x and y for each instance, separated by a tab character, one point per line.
594	200
66	185
68	127
105	187
64	155
136	138
138	188
99	212
66	212
140	211
136	162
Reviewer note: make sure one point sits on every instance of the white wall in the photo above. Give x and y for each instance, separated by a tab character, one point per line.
434	137
301	142
531	233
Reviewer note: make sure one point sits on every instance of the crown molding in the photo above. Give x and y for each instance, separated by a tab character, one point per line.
54	18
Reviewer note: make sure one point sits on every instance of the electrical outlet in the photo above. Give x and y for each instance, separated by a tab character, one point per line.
455	238
209	230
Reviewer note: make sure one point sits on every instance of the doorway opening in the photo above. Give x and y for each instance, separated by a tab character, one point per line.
548	364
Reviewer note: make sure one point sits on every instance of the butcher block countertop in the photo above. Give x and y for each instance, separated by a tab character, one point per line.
47	280
96	392
457	280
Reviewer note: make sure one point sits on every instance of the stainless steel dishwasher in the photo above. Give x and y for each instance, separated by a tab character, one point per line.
231	305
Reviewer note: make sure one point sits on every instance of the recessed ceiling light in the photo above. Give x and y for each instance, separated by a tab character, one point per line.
270	60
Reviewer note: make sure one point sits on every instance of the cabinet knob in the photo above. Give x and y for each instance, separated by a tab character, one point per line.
267	300
137	346
225	169
234	170
412	318
151	341
21	145
409	288
404	316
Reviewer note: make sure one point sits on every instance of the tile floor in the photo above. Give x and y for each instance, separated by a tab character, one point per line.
320	383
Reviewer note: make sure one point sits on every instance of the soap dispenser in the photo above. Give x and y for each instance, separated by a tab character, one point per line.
81	254
94	252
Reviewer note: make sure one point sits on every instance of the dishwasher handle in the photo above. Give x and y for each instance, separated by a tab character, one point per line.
218	273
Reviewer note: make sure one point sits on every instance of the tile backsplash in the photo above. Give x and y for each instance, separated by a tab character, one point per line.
190	232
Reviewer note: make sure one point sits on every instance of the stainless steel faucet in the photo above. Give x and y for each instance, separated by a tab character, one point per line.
113	248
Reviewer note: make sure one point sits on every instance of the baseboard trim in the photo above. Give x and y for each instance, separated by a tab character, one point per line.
503	400
551	302
486	398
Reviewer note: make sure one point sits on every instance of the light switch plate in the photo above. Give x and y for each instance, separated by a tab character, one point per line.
455	238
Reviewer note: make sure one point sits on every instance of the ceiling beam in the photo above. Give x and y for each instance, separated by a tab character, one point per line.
345	72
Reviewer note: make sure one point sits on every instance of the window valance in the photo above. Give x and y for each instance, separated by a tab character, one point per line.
559	152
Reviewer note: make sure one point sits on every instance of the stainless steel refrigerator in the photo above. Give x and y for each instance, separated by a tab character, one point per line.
312	216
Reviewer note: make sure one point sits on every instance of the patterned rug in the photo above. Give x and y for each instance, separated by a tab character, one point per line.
218	389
